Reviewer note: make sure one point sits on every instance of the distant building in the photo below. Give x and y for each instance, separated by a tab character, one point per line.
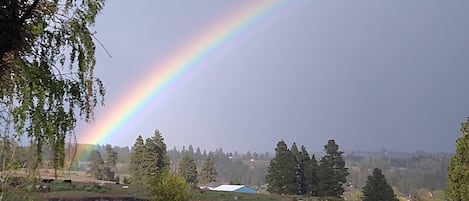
235	188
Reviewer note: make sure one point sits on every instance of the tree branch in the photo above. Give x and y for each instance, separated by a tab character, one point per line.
27	14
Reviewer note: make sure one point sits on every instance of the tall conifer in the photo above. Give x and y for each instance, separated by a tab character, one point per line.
137	155
188	169
308	167
96	165
208	173
458	169
332	172
281	174
377	188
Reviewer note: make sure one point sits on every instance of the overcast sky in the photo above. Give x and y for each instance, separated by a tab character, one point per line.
370	74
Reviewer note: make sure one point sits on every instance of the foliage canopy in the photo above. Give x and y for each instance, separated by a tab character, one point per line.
208	173
377	188
47	60
169	186
458	169
294	172
148	159
188	169
332	172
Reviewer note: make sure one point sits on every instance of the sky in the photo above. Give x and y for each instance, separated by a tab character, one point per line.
370	74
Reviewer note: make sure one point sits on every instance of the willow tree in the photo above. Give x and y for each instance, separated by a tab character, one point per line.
46	69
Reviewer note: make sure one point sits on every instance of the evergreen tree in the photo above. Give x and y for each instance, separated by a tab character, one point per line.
149	160
162	159
299	170
458	169
332	172
111	159
377	188
208	173
294	150
108	174
312	178
153	157
188	169
191	150
281	176
306	172
327	182
96	165
136	161
198	154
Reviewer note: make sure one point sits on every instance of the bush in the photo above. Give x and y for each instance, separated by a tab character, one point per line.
169	187
126	181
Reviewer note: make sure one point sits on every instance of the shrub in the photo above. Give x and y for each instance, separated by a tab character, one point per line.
168	186
126	180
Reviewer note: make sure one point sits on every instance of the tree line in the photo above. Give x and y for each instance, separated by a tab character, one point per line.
247	168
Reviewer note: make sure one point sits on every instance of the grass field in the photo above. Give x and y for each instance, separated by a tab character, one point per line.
77	190
84	188
228	196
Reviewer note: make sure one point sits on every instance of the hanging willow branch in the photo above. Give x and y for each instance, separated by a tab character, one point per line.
40	42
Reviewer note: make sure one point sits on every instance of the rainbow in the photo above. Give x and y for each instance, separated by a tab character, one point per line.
218	35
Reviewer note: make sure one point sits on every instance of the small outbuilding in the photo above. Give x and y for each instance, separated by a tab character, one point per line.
235	188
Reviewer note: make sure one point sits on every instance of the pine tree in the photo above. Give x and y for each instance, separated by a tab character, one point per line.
155	159
309	168
110	165
299	170
136	161
162	162
111	159
326	178
458	169
108	174
281	176
96	165
191	150
198	154
149	161
188	169
377	188
312	178
208	173
332	172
